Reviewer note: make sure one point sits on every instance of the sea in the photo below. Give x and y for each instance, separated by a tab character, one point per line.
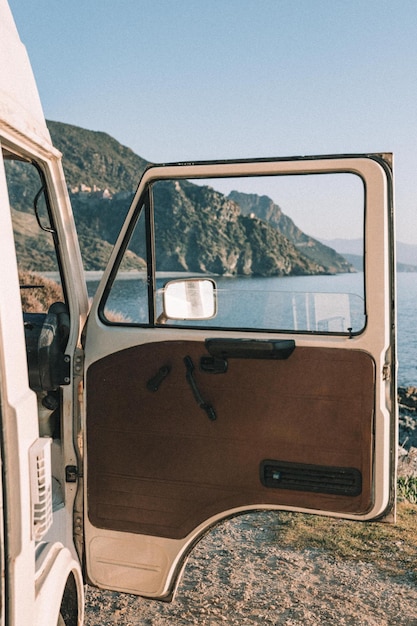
341	283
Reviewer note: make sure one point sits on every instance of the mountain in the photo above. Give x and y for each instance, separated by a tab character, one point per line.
94	161
198	229
265	209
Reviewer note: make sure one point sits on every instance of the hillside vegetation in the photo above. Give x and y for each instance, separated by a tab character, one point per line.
95	159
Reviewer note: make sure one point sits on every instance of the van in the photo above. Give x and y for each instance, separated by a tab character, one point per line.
202	382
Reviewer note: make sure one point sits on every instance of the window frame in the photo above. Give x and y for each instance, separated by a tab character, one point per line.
145	202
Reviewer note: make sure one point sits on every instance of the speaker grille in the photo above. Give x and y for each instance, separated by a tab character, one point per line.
343	481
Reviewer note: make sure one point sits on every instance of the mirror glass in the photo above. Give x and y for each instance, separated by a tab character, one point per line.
192	299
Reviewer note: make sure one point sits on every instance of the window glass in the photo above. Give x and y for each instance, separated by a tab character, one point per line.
37	259
127	300
285	253
46	318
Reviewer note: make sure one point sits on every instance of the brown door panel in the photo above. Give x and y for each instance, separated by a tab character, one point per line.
294	432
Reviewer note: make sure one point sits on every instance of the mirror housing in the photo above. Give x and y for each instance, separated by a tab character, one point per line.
190	299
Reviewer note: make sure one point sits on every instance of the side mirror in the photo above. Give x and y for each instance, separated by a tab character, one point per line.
190	299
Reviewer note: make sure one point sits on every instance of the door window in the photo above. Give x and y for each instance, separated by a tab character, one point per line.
45	313
275	247
127	300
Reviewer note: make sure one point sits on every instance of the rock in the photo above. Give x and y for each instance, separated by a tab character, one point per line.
407	451
407	397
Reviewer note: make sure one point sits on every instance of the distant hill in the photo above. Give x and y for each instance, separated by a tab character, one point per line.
199	229
407	253
352	251
348	246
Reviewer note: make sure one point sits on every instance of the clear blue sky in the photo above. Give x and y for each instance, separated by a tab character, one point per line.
206	79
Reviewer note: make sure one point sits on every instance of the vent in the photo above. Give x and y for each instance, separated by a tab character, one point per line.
41	487
342	481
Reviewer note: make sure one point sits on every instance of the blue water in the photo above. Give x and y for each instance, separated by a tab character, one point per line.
125	299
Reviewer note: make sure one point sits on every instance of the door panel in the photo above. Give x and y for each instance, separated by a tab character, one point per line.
158	465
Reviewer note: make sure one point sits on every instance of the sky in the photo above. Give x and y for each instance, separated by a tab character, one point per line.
185	80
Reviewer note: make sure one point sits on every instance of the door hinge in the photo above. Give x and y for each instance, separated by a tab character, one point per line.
386	373
78	362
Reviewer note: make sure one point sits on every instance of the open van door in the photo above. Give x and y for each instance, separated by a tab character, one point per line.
244	372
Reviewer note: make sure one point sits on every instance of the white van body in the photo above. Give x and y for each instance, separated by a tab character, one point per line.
94	479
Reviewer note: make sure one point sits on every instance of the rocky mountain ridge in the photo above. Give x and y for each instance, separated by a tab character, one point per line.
265	209
198	228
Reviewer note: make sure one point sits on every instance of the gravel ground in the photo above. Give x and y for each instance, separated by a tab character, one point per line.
238	574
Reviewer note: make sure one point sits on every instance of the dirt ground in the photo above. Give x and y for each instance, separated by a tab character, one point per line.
238	574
